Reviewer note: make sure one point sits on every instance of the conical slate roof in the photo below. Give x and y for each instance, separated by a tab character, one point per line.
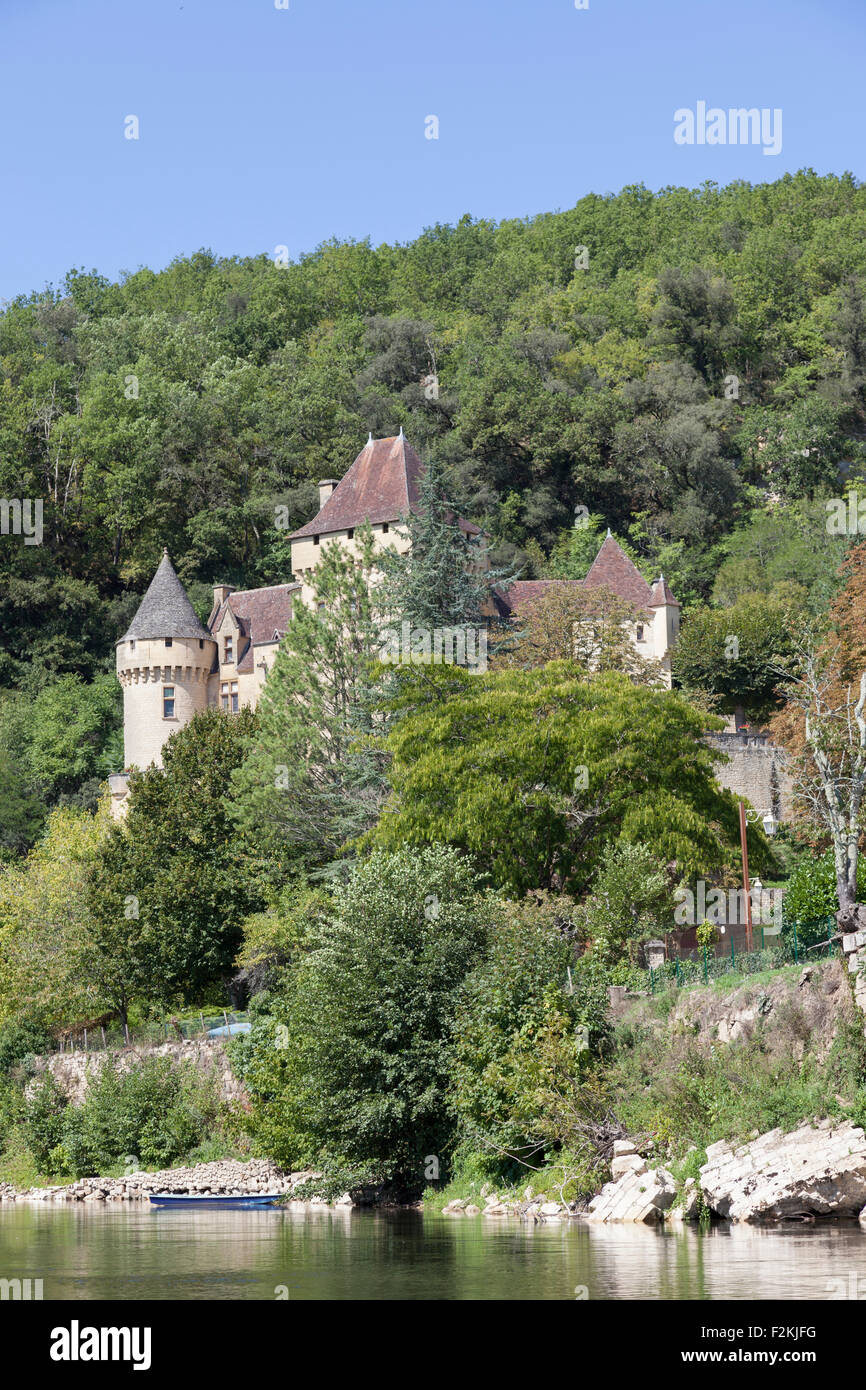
165	610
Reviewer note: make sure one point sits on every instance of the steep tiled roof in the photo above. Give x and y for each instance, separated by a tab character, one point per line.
612	569
381	485
259	613
661	594
523	592
165	610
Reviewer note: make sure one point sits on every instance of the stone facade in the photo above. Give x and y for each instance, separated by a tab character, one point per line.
74	1071
755	771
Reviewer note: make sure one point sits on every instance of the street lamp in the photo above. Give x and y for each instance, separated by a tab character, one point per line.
769	823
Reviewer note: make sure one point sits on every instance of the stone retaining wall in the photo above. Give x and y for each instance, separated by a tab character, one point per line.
72	1069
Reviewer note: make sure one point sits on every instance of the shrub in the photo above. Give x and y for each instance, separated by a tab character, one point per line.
150	1116
352	1069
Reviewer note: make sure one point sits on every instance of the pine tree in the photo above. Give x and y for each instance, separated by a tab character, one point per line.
312	780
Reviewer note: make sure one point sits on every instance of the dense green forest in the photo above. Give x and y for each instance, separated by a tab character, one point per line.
672	364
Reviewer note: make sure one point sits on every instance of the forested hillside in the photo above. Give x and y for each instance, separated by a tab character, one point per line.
670	364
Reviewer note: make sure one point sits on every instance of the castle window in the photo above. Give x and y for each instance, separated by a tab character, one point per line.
229	696
350	534
640	632
168	702
200	643
229	649
315	540
132	645
384	527
169	641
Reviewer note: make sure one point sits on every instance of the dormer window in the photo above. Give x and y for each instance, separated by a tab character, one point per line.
229	649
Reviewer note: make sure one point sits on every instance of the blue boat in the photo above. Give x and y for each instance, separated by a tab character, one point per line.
205	1199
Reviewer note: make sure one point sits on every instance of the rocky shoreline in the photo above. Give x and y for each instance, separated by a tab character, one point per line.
818	1171
226	1177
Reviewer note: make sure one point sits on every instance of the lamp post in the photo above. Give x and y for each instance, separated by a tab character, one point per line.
769	823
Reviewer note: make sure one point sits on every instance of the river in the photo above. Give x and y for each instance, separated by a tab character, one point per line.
138	1252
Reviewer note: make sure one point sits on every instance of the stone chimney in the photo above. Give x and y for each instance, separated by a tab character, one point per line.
326	487
221	593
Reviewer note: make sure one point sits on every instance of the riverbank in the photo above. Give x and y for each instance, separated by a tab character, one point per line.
224	1177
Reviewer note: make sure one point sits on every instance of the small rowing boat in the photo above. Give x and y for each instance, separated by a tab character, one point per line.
207	1199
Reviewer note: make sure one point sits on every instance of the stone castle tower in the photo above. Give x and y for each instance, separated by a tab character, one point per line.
164	662
171	666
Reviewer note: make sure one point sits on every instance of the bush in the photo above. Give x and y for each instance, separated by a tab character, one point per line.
352	1069
20	1039
810	896
149	1117
530	982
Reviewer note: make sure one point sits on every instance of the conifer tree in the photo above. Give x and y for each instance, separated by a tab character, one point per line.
312	779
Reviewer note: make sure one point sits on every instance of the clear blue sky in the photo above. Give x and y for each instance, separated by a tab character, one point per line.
262	127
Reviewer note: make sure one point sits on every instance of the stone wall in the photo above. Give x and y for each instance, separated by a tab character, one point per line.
755	771
72	1069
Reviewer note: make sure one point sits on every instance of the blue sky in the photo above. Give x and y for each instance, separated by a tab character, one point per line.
262	127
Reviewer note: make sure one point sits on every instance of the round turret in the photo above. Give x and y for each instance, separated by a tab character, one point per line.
163	663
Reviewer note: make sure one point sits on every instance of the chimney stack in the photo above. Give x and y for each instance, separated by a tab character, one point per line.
221	593
326	487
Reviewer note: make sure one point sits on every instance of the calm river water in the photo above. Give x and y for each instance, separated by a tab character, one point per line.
143	1253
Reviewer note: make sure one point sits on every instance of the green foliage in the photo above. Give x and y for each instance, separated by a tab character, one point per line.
630	901
535	772
810	896
529	984
736	653
351	1070
172	884
311	777
149	1116
22	1039
601	387
47	934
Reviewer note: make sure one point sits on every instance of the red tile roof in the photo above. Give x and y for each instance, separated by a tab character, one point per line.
612	569
259	613
381	485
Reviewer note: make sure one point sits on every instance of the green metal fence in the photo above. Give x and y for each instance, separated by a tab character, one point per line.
799	943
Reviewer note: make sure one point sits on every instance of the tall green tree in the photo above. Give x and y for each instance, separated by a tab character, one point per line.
535	772
172	884
311	779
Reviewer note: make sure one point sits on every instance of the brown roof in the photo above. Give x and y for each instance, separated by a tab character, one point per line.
661	594
259	613
522	592
381	485
612	569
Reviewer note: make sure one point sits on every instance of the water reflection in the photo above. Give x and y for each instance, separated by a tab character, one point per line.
145	1253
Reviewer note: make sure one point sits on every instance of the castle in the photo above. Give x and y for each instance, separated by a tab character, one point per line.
170	665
